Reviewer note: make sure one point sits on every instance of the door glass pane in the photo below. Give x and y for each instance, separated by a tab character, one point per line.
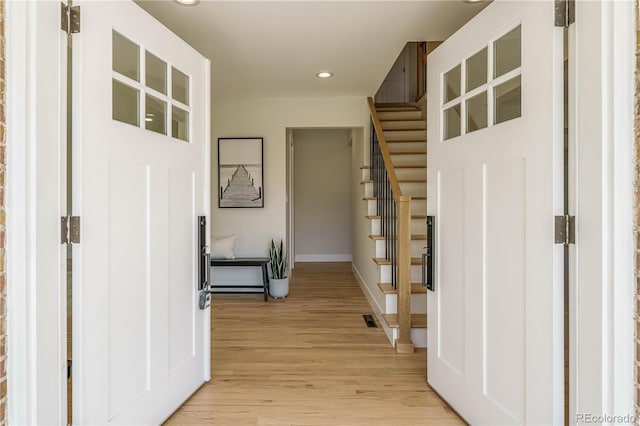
506	52
452	84
180	86
156	73
477	112
452	122
476	70
180	124
507	100
155	116
125	56
125	103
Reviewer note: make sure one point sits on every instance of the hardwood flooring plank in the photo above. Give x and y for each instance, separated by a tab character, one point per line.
309	360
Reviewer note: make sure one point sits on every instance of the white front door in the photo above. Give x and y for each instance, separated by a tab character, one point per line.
140	170
495	173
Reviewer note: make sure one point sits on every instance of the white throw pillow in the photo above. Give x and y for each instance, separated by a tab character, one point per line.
223	247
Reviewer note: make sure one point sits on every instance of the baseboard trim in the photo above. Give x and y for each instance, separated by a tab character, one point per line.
377	310
324	258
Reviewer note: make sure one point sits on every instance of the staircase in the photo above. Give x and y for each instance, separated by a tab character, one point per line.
404	134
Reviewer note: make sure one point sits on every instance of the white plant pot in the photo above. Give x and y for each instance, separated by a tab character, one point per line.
279	288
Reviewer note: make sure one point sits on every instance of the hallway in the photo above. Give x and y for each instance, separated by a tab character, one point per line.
309	360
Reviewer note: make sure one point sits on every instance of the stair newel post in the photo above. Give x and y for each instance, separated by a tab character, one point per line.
403	343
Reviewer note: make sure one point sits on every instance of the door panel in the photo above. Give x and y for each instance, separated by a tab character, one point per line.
495	183
451	321
140	130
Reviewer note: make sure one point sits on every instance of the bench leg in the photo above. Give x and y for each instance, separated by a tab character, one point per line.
265	282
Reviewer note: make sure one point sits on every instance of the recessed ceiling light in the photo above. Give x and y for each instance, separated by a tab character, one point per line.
187	2
324	74
472	1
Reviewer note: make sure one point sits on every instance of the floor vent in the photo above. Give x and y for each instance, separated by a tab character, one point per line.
368	319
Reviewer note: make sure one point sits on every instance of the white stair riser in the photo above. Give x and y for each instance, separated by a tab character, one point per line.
409	160
368	189
418	337
400	115
418	303
417	247
404	124
411	173
405	135
417	207
418	226
408	188
407	146
414	188
385	273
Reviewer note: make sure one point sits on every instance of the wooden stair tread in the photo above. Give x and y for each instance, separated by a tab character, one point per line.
402	118
414	237
409	153
416	288
382	261
412	198
389	107
403	129
413	216
401	166
417	320
393	140
399	181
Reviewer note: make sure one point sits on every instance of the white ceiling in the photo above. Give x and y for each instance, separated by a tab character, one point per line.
275	48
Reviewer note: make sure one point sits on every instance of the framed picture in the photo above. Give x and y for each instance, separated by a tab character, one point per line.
240	173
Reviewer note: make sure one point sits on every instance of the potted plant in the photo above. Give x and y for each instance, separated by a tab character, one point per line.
279	284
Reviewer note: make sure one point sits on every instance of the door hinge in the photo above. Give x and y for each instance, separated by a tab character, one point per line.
69	363
69	18
70	230
565	230
565	13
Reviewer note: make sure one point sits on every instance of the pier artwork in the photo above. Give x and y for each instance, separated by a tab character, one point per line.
241	188
240	173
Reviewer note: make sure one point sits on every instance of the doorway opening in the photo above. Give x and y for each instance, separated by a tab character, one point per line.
319	195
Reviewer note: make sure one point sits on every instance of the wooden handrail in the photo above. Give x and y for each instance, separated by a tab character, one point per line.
384	149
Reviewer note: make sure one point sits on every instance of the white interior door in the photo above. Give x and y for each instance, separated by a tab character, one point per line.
495	143
140	166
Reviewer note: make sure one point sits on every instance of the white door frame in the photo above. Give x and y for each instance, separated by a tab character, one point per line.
602	197
36	199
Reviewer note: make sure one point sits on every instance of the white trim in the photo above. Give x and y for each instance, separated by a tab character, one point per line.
207	202
21	384
602	198
377	309
36	191
324	258
621	345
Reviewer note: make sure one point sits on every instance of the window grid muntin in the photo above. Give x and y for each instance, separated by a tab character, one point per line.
488	87
143	90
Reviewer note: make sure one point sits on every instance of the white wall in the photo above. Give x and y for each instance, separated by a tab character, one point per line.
270	118
322	195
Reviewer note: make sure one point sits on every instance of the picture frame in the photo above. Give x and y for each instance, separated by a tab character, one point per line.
240	172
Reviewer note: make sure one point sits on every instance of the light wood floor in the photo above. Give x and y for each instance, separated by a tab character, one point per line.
309	360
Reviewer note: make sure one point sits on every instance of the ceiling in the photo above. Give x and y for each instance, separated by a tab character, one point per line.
275	48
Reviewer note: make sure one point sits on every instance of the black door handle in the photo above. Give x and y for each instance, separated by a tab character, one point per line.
428	276
203	256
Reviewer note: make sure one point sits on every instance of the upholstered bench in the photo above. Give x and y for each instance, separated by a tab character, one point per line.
243	261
